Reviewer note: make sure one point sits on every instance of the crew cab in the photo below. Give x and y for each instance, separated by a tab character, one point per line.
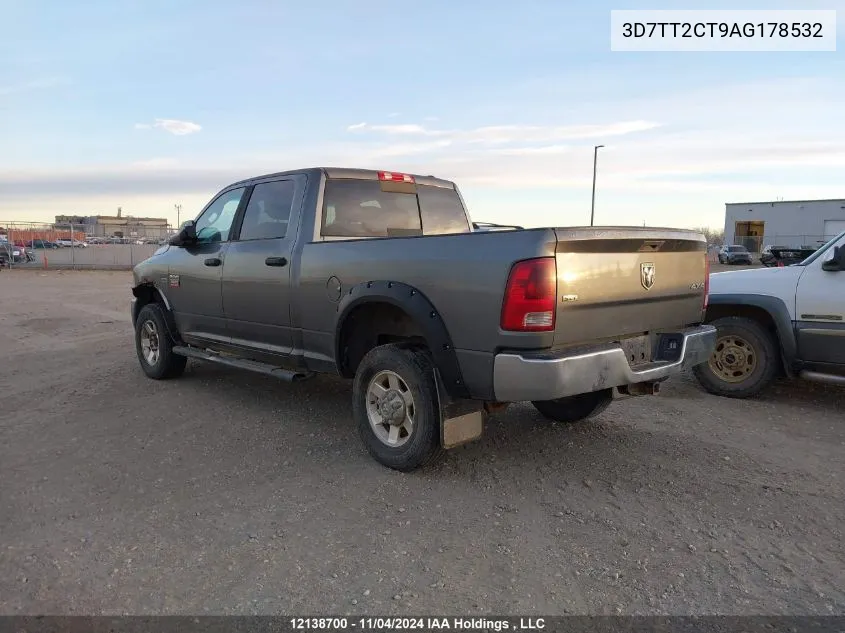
778	321
382	278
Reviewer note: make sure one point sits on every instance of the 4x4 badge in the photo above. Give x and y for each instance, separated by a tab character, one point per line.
647	275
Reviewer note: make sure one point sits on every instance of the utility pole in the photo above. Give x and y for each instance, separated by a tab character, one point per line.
178	212
593	205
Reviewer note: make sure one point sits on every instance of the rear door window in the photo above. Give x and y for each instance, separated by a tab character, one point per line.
361	208
268	211
441	210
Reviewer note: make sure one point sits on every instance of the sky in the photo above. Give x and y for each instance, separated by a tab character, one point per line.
151	103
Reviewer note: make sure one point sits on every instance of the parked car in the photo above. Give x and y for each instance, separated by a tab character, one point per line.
734	254
42	244
772	256
778	321
380	277
766	257
11	254
72	243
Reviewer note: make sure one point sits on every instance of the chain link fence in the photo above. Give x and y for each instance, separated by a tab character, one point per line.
75	246
755	244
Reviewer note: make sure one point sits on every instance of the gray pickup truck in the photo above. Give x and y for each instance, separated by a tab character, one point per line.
382	277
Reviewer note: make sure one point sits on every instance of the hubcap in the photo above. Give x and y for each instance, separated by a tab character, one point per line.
390	408
734	359
150	342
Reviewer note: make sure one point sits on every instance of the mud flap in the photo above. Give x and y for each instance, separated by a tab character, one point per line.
461	421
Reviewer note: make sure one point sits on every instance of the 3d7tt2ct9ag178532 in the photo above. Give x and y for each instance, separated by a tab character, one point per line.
383	278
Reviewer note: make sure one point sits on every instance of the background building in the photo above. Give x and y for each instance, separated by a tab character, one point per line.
114	226
783	223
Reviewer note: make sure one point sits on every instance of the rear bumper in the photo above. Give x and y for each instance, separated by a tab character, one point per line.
547	376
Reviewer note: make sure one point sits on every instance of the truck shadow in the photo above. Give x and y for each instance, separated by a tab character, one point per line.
806	392
623	445
782	391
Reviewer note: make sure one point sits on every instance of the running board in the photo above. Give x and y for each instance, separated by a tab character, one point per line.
817	376
239	363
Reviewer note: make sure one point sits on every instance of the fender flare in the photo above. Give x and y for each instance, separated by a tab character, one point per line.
775	308
151	286
416	305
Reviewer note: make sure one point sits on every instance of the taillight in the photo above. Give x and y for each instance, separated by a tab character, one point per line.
706	282
394	177
531	296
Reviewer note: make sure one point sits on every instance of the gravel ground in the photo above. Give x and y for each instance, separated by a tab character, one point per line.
227	492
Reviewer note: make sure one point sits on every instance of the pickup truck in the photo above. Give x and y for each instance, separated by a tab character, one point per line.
380	277
786	321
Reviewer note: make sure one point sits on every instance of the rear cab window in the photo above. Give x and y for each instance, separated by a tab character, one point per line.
356	208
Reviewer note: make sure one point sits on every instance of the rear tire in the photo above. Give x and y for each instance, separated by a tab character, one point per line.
396	407
154	344
744	362
575	408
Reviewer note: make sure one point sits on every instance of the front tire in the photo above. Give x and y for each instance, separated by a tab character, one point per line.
154	344
744	362
396	407
575	408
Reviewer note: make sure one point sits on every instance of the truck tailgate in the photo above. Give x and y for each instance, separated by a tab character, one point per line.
614	283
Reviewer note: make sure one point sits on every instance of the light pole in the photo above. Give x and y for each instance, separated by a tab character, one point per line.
595	161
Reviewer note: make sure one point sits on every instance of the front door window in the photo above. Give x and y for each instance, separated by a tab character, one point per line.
215	223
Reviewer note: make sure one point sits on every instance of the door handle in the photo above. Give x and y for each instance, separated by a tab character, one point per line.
276	261
213	261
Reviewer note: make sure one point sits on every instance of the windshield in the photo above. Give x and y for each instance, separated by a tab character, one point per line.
819	252
737	249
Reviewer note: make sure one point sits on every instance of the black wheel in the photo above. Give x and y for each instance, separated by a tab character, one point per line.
575	408
395	405
744	362
155	345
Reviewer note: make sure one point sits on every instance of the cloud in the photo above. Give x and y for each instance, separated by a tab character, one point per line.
120	180
34	84
407	128
502	134
174	126
706	149
528	151
156	163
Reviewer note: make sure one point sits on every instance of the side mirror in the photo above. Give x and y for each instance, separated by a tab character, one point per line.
837	262
186	235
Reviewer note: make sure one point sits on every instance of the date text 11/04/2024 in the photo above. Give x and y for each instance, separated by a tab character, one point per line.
771	30
418	624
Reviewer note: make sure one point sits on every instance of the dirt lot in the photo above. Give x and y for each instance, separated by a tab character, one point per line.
226	492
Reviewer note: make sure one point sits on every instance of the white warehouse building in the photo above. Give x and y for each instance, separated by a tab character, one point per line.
796	223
